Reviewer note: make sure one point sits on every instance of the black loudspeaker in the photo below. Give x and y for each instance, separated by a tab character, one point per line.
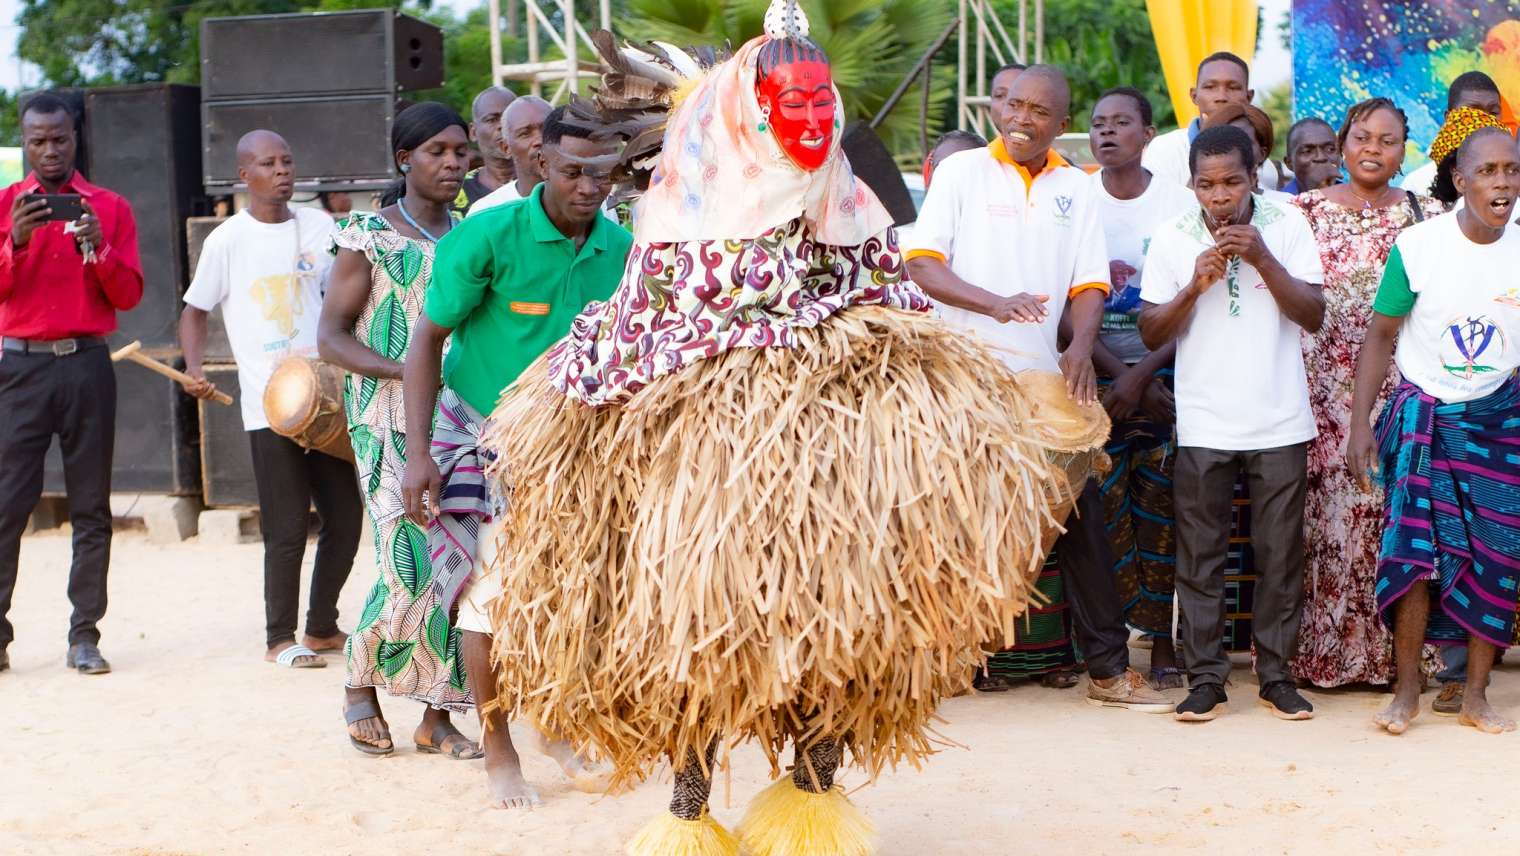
75	99
145	145
324	53
157	438
873	165
226	460
339	143
218	348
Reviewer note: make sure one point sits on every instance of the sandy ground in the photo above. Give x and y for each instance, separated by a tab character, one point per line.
196	746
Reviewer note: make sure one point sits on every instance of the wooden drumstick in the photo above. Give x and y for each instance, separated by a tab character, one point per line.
133	353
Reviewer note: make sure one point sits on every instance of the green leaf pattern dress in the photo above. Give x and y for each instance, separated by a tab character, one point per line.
404	641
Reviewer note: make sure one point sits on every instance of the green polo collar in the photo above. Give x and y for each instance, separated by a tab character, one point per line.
545	232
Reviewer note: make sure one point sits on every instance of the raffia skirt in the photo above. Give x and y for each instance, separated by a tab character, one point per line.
777	544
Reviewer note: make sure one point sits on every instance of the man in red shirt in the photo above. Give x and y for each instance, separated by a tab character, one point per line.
61	285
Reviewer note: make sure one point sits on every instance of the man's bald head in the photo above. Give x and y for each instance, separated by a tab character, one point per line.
491	100
485	122
1475	145
266	166
259	142
522	132
1059	86
526	107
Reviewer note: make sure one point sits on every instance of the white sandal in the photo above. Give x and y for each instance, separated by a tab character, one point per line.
288	657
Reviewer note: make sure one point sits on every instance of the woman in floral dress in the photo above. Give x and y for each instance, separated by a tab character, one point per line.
1341	640
405	641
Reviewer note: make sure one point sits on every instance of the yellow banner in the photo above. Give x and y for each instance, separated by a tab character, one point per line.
1188	30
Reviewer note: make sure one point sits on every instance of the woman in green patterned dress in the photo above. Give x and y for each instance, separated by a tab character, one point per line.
405	641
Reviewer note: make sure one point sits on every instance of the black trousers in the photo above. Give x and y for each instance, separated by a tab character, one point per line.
1203	485
1086	559
290	479
73	397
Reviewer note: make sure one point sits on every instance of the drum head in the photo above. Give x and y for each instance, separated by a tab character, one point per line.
293	397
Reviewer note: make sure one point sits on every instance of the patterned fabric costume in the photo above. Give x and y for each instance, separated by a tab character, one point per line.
404	641
1042	638
1436	458
760	493
1137	506
1342	641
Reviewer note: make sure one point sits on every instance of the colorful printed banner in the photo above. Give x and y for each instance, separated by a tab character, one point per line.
1347	50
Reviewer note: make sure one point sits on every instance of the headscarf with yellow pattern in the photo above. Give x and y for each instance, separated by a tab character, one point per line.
1461	122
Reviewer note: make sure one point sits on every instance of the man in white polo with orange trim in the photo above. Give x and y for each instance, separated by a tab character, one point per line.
1008	242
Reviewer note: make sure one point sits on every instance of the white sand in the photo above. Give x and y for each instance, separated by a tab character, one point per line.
196	746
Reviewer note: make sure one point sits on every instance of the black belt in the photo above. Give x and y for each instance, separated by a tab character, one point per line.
56	347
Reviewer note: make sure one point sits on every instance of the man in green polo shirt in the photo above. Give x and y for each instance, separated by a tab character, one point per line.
507	283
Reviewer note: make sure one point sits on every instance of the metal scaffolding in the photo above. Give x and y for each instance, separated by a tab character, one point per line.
980	33
570	38
983	46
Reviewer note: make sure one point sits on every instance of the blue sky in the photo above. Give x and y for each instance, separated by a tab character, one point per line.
1272	65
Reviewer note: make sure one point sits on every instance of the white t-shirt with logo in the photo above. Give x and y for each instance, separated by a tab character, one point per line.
1127	228
269	279
1460	302
1003	235
1240	381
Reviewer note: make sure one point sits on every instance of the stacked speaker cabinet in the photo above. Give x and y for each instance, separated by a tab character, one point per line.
144	144
226	459
334	106
157	446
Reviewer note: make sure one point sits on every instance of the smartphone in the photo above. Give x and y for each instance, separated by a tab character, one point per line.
67	207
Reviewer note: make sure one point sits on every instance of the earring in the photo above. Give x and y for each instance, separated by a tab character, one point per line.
406	168
765	117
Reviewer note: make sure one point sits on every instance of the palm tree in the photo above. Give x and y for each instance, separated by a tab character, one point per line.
872	44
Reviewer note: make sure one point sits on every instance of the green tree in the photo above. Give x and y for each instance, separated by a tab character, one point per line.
1101	44
872	44
1278	104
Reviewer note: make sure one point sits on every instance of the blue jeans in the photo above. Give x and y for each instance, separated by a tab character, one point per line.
1455	658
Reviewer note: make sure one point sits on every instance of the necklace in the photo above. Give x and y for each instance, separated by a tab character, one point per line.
407	216
1368	203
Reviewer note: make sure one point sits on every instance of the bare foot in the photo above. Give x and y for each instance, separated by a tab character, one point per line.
372	731
325	644
584	776
1478	713
508	788
305	661
1395	718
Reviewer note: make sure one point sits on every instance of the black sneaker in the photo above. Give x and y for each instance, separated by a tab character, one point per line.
1204	702
1285	702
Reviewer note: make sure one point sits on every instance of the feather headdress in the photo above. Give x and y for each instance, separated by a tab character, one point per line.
644	84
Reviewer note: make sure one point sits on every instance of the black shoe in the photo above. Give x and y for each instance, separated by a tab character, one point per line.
1203	703
1283	698
85	657
5	660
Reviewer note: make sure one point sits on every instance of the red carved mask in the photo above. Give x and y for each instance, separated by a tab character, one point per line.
800	98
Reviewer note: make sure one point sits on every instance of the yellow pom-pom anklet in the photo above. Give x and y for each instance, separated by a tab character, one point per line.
785	820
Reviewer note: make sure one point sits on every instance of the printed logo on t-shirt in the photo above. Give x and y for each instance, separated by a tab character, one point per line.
1509	298
1063	210
279	300
1470	344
